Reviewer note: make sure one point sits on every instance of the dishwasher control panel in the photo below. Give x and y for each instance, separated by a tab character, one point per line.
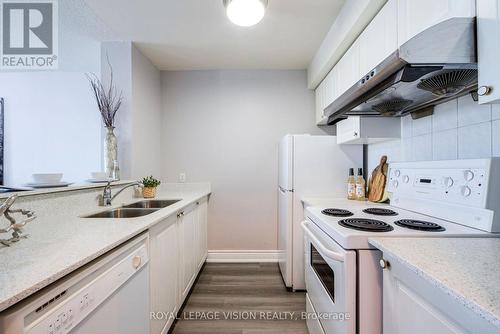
79	305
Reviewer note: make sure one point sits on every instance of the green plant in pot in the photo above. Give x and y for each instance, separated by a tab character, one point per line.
150	184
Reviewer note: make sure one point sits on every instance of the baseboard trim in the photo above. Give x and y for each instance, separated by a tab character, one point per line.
242	256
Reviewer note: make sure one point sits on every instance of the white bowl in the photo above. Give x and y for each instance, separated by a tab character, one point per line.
47	177
99	175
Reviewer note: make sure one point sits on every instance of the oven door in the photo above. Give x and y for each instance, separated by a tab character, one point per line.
330	280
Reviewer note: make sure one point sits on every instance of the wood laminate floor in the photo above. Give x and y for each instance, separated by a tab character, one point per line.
241	299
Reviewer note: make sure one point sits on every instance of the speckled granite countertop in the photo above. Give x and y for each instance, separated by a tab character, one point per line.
467	269
60	243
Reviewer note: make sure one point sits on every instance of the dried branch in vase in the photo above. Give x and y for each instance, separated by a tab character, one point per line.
108	100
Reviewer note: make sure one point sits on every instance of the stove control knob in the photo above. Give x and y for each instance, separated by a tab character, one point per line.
448	182
395	184
468	175
466	191
397	173
384	264
406	179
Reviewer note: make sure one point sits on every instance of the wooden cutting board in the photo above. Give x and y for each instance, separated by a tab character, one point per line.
376	185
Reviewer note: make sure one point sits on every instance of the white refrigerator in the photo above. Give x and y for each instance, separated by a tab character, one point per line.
309	166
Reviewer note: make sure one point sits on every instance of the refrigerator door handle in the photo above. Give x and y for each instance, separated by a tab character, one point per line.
284	190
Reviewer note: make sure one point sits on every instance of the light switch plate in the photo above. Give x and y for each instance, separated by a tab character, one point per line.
182	177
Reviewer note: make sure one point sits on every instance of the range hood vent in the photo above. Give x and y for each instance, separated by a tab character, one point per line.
449	83
435	66
391	108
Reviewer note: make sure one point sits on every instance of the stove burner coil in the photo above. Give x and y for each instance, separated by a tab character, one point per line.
369	225
337	212
380	212
420	225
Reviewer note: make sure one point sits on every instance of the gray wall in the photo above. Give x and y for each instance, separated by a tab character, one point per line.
224	127
146	119
138	122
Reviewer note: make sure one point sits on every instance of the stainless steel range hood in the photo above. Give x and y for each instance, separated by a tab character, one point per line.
435	66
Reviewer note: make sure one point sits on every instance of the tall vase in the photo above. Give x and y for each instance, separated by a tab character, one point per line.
110	152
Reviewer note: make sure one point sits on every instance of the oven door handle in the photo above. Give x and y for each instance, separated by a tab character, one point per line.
329	253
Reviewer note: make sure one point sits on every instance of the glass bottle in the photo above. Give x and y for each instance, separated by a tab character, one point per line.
351	185
360	186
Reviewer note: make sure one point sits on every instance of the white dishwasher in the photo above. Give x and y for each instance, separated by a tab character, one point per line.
109	295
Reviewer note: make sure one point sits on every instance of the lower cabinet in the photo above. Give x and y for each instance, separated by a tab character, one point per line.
178	248
164	265
202	230
412	305
189	250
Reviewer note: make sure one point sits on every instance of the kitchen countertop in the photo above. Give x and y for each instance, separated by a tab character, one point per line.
467	269
71	187
58	246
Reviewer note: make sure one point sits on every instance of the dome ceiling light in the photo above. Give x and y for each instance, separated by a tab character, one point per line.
245	13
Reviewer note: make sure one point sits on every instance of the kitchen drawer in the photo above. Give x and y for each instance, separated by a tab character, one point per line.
313	324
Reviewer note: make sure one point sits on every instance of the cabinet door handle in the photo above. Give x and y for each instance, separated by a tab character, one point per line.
384	264
136	261
483	90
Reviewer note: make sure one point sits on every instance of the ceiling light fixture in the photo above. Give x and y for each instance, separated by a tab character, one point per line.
245	13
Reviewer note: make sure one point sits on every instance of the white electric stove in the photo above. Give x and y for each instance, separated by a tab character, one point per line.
459	198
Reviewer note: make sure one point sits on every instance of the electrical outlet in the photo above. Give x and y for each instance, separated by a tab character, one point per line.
182	177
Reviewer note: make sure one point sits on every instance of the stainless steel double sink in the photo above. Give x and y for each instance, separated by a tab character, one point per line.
137	209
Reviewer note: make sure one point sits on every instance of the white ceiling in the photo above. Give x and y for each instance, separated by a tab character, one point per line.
196	34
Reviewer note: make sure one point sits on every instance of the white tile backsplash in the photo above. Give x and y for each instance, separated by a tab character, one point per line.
470	112
392	149
459	129
422	147
445	145
406	127
495	131
474	141
445	116
407	149
495	111
421	126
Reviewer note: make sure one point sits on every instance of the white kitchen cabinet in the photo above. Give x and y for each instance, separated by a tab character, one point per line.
379	39
413	305
164	267
202	230
347	71
488	39
325	95
368	130
320	103
188	249
416	16
192	222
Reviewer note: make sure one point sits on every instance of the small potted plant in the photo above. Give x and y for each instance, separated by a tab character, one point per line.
150	184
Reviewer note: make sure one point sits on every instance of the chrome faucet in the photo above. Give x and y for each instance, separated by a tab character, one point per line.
108	198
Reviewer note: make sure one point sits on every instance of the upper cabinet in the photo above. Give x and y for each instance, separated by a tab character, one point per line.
416	16
379	39
368	130
347	70
396	23
488	38
326	93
